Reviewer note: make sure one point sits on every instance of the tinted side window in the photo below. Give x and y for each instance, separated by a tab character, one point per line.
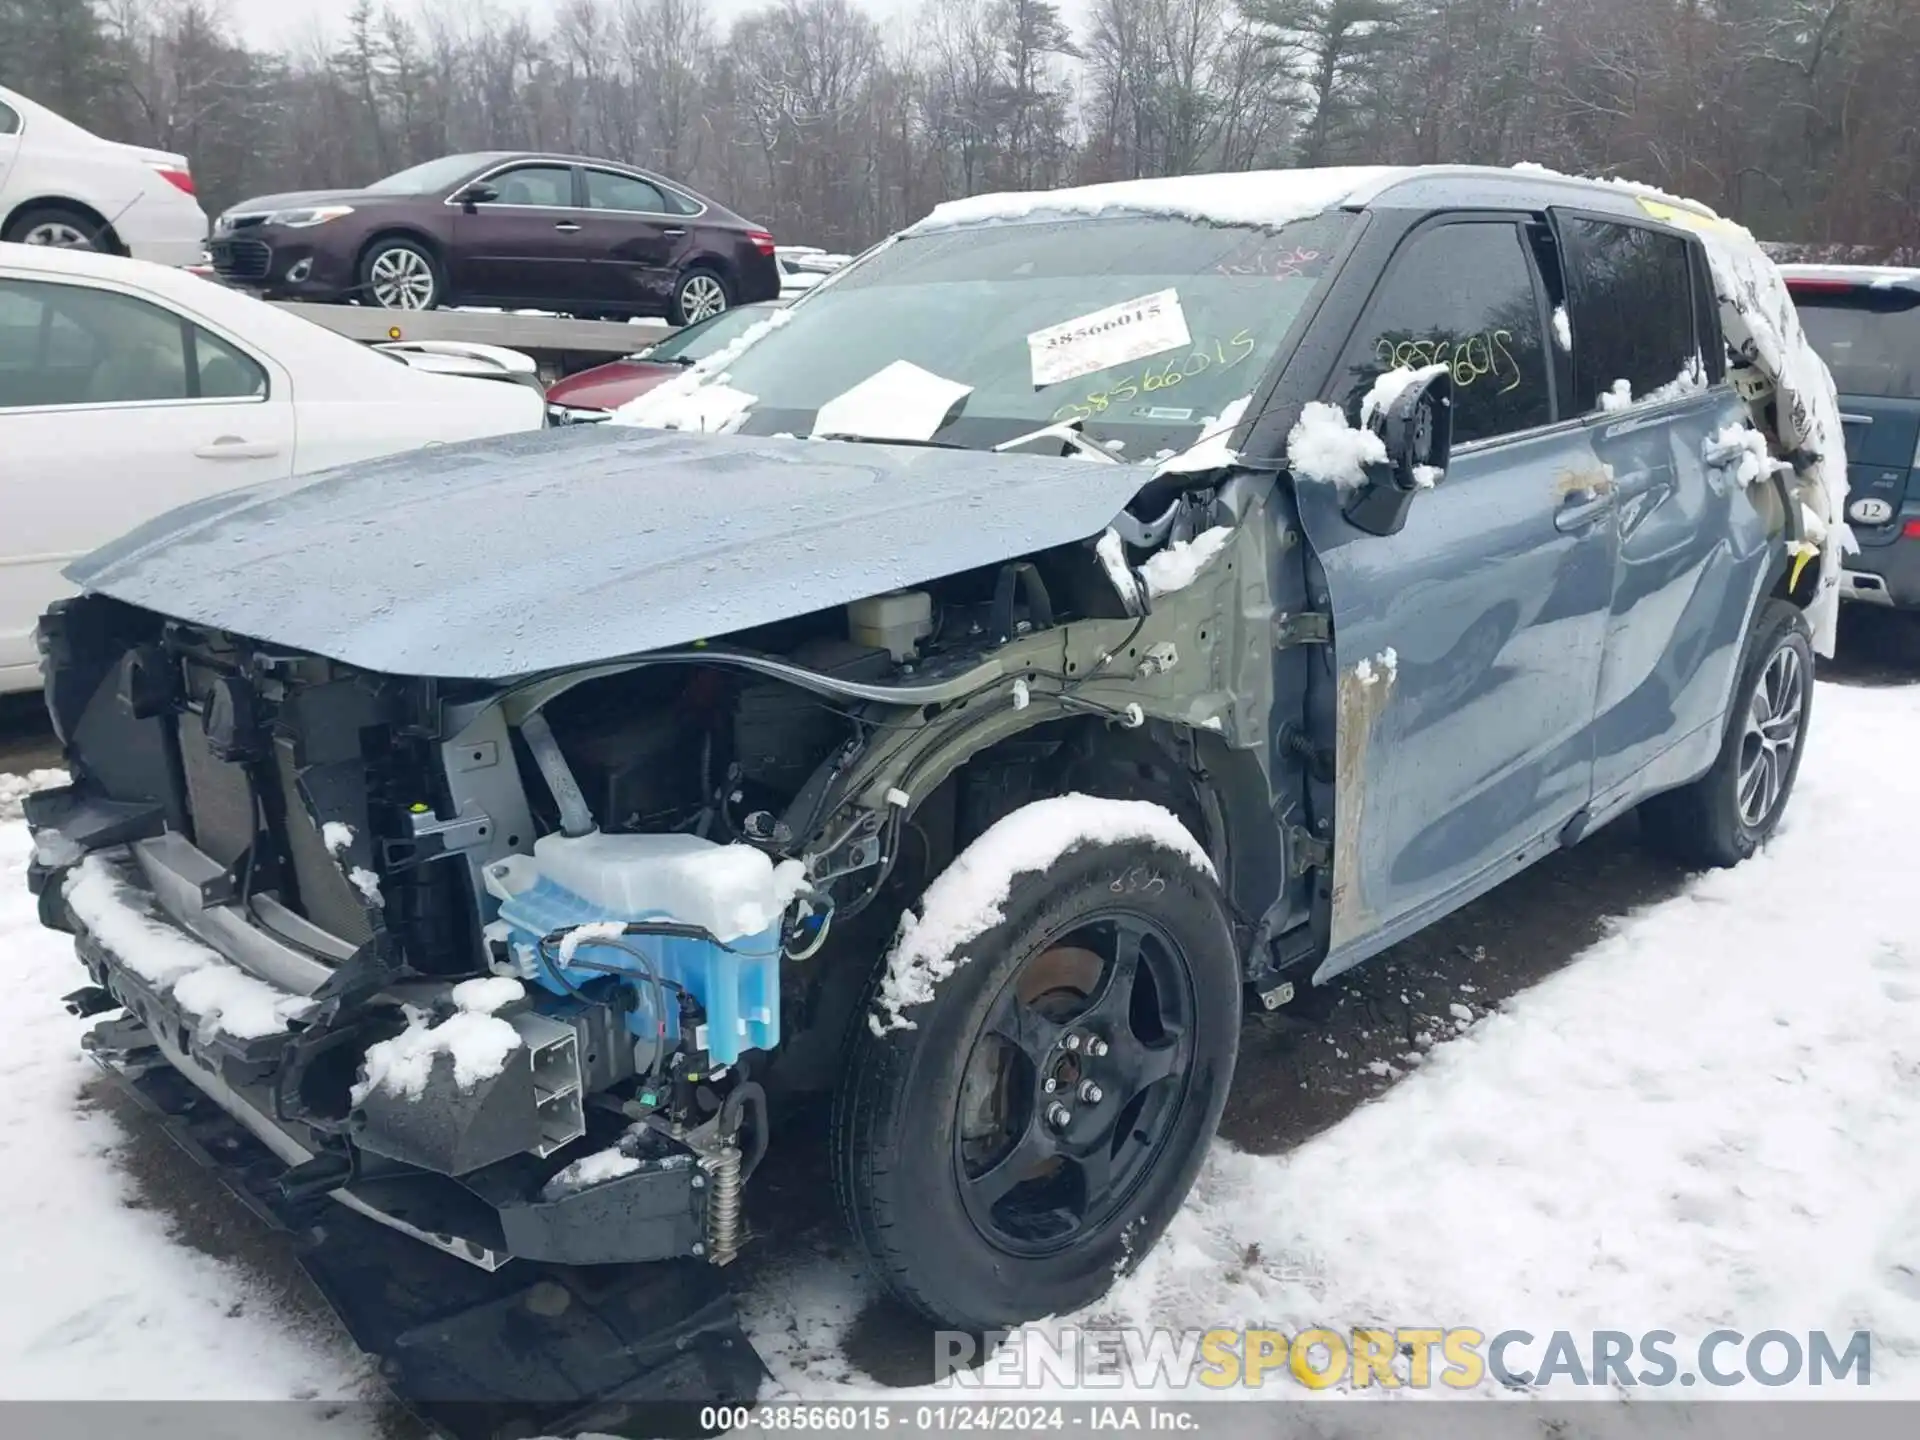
9	120
1462	296
550	185
71	345
224	372
681	204
607	191
1633	310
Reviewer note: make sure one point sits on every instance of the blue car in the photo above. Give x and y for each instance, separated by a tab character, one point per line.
1089	614
1865	322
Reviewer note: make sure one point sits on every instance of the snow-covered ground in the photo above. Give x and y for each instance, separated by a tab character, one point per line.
1710	1119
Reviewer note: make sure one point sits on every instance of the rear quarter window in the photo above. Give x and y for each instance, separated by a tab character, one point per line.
1870	342
1630	291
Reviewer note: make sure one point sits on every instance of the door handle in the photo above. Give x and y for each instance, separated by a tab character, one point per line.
1581	509
236	447
566	227
675	231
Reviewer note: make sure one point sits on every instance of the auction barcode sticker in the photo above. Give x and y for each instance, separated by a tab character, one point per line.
1131	330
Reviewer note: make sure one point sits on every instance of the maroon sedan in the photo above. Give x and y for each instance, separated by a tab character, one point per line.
546	232
591	394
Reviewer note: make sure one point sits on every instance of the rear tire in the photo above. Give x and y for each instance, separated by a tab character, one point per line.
58	226
1728	813
956	1176
699	294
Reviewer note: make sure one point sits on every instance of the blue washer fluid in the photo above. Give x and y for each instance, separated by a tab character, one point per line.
733	891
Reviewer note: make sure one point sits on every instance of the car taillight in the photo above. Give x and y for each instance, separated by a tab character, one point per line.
1911	530
762	241
177	176
1796	285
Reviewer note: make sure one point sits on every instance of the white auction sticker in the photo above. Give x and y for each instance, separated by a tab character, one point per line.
1131	330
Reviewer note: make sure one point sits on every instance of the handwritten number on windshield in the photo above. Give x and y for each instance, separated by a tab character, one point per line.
1219	355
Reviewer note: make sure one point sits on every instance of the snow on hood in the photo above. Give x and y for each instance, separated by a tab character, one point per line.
504	557
1255	197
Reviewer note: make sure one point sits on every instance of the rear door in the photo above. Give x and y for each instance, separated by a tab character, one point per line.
632	238
524	247
1648	366
1869	335
9	148
113	409
1469	643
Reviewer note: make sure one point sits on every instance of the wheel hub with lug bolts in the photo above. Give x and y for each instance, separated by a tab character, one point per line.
1067	1078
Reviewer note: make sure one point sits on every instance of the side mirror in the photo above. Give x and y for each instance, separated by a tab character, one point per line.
477	193
1416	429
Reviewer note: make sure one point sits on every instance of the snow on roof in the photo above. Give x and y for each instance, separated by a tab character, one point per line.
1252	197
1870	276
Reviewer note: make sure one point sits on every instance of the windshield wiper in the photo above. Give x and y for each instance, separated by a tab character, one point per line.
1068	433
878	440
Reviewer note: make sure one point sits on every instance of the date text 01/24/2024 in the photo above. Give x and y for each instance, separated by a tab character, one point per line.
944	1418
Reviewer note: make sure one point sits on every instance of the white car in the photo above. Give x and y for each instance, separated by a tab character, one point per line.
62	185
804	266
127	389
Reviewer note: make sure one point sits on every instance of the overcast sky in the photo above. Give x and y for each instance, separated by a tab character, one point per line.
280	22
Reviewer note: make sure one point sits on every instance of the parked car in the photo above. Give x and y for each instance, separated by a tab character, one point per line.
552	232
1092	608
127	389
1865	322
804	266
593	394
61	185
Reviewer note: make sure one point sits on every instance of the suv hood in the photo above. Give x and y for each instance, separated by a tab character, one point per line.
500	558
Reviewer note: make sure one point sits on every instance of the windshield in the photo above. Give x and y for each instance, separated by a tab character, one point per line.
700	340
1869	339
1143	327
434	175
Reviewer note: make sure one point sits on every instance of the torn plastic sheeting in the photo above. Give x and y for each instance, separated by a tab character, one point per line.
900	401
1762	327
1112	553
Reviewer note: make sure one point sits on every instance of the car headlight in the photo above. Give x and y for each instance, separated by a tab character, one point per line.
308	215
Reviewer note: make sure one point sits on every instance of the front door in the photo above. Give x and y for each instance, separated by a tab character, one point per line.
118	409
1468	645
525	246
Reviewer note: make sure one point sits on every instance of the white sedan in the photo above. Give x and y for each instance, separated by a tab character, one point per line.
127	389
62	185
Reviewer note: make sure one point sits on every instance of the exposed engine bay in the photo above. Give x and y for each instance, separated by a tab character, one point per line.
552	952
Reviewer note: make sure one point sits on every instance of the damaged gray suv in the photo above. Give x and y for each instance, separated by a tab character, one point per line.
1085	615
